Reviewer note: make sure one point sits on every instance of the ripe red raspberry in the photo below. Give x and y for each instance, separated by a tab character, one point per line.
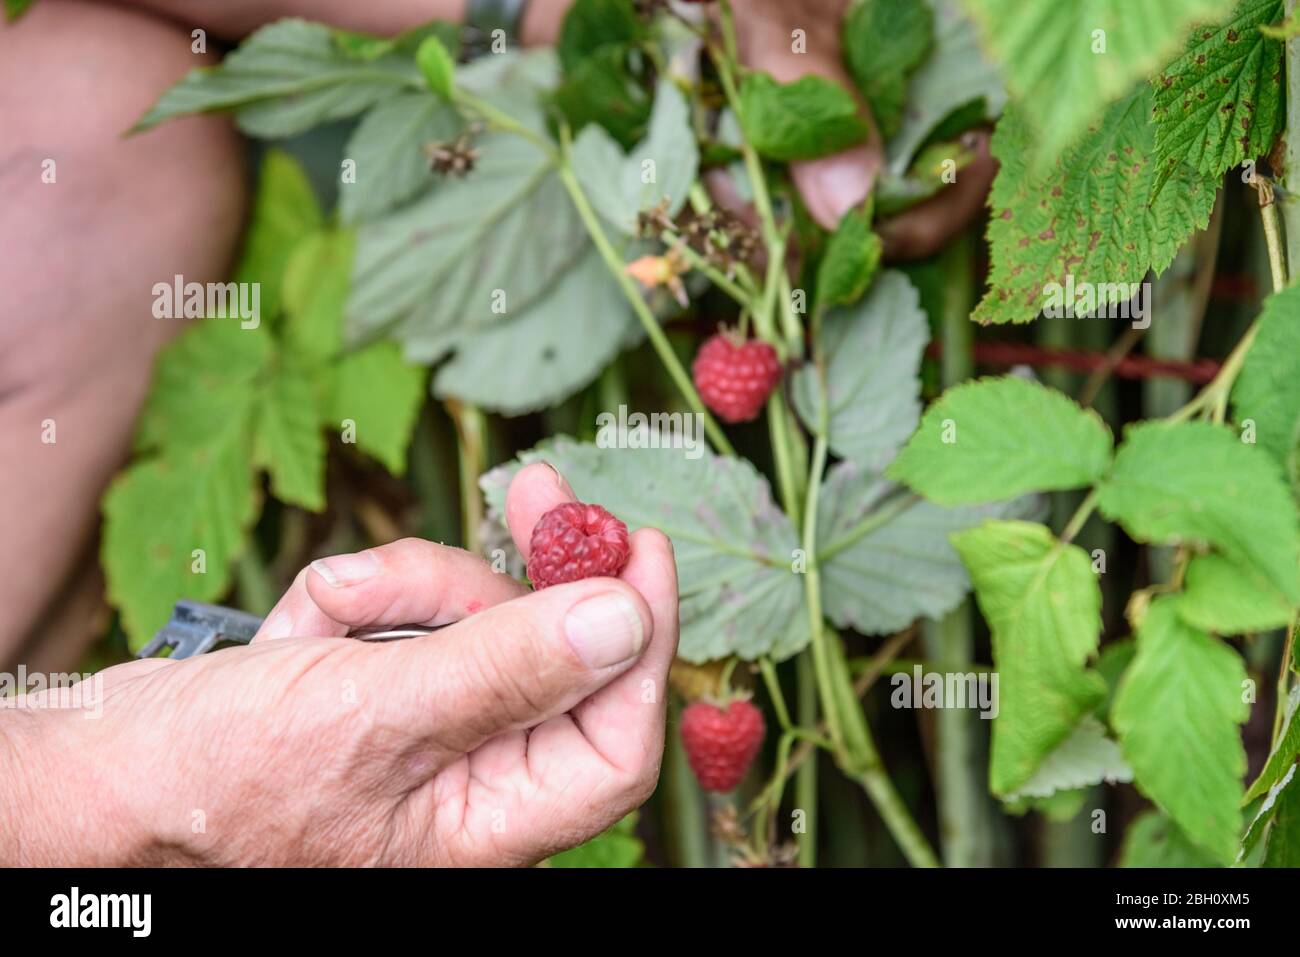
574	541
735	377
721	742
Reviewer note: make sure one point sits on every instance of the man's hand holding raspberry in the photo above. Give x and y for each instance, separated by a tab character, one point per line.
530	723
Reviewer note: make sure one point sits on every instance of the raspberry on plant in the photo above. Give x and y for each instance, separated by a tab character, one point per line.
735	376
574	541
721	742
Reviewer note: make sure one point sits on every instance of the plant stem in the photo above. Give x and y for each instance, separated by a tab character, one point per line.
700	264
805	783
471	439
654	332
1291	174
1079	518
1284	679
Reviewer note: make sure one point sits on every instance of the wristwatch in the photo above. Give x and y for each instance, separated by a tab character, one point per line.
485	17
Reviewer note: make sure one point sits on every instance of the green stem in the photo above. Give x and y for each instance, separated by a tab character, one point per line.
700	264
1080	517
1291	173
471	437
805	782
654	332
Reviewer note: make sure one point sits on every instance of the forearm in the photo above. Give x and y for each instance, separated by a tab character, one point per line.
234	19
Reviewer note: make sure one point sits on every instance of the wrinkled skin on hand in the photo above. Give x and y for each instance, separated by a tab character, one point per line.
530	723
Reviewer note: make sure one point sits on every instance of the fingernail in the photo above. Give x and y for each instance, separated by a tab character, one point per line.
559	479
605	630
842	186
346	569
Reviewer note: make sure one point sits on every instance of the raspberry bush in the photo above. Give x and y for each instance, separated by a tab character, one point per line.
505	261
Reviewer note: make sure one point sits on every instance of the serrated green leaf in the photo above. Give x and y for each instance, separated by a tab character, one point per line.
1064	62
1221	101
884	41
1190	481
286	78
204	379
602	89
986	440
285	212
954	76
1229	598
1043	605
1283	756
734	546
473	251
873	379
289	442
1092	218
174	525
1177	714
1152	840
388	149
1266	395
437	66
378	395
904	567
617	847
616	183
555	347
1262	822
850	261
1085	758
805	119
1283	847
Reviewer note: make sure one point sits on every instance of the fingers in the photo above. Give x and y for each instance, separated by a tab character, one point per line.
830	185
928	226
534	491
516	664
409	581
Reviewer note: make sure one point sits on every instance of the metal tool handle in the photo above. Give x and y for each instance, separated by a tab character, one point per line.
195	628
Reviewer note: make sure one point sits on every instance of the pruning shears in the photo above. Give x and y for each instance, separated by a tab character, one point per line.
195	628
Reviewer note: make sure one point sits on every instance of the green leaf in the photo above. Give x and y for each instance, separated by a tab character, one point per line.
993	438
158	515
1221	101
1093	218
617	184
473	251
1283	847
16	8
884	41
555	347
204	379
1229	598
315	293
1085	758
873	378
284	79
1056	66
1177	714
1284	753
1193	481
388	149
437	66
850	261
1261	824
1043	605
1266	395
602	89
1152	840
289	440
956	75
901	568
378	394
285	212
617	847
805	119
734	547
590	25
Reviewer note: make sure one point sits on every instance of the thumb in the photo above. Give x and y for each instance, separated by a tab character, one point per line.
517	664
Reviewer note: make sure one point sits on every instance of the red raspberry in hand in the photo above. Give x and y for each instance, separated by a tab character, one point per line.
721	742
574	541
735	376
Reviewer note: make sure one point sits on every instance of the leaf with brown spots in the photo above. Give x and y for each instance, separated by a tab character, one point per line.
1221	102
1092	216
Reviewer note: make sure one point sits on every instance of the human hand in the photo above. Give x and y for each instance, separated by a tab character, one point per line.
530	723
